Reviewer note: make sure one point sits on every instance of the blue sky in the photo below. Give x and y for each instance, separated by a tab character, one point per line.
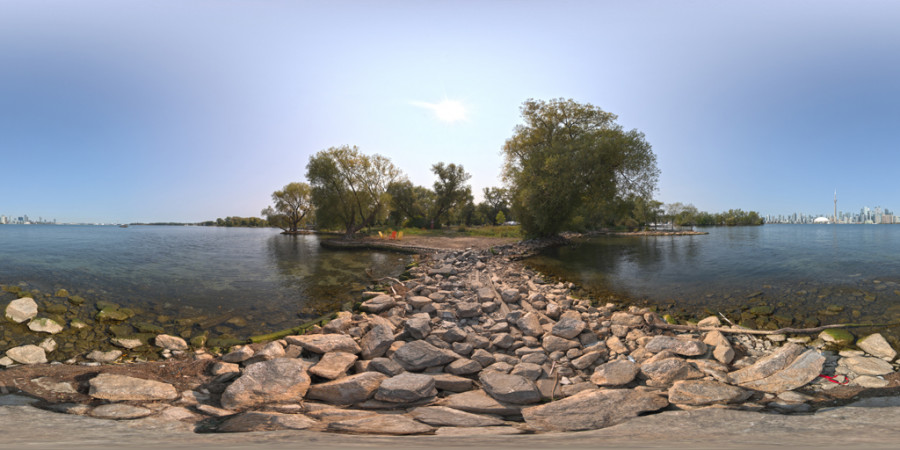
192	110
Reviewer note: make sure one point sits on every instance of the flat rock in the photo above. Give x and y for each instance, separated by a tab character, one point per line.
684	347
325	343
170	342
239	355
333	365
669	370
629	320
44	325
418	355
615	373
509	388
464	366
553	343
569	325
386	366
376	342
452	383
348	390
116	388
704	392
127	343
442	416
378	304
104	357
406	387
592	409
27	354
479	431
57	387
265	421
273	381
21	309
801	371
865	365
119	411
767	365
479	402
867	381
392	424
876	345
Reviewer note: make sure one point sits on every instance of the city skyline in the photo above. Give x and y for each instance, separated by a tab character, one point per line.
183	111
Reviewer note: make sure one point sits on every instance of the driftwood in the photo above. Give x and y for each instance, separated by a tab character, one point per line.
669	326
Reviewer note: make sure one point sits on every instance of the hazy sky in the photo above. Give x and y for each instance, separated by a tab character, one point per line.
192	110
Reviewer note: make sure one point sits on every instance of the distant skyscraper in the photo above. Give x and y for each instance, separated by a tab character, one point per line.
834	218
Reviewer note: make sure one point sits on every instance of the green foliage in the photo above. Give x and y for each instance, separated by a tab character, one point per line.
500	218
234	221
409	204
293	207
568	155
732	217
450	192
349	189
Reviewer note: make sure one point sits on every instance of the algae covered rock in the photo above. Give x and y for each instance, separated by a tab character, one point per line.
837	336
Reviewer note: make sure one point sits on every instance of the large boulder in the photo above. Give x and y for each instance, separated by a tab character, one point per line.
592	409
509	388
21	310
116	388
418	355
767	365
348	390
799	372
276	380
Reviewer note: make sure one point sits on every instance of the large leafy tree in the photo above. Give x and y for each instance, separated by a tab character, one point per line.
349	188
450	190
409	204
293	207
569	155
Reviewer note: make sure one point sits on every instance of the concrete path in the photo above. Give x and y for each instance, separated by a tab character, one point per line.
871	423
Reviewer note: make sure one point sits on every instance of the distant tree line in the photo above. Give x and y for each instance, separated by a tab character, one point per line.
252	222
688	215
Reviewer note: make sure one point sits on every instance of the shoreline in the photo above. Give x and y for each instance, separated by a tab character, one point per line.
476	318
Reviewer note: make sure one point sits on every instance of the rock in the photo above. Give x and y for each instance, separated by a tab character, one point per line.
509	388
406	388
678	346
711	321
468	309
864	365
122	388
265	421
57	387
44	325
615	373
585	361
704	392
127	343
276	380
394	424
510	295
529	371
624	318
378	304
552	343
325	343
170	342
27	354
220	367
867	381
592	409
386	366
239	355
333	365
48	344
376	342
569	325
441	416
723	354
21	310
669	370
418	327
837	336
348	390
876	345
418	355
767	365
799	372
479	431
478	402
452	383
120	411
530	325
178	413
104	357
464	366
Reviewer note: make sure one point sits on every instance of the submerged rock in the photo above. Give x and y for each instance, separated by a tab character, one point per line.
27	354
21	310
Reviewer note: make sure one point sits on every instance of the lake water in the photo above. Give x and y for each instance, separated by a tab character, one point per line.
807	274
231	282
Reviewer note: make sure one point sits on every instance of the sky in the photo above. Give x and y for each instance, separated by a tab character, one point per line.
141	111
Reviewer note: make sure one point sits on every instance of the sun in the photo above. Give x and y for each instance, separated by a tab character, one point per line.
450	111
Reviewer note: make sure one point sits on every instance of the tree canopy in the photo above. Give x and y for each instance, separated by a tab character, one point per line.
450	190
567	155
293	207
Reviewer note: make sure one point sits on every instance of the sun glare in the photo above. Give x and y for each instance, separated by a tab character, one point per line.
446	111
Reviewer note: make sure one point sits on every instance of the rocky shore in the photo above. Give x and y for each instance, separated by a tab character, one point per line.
470	343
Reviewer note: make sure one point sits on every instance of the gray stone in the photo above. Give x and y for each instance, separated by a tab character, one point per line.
104	357
44	325
479	402
864	365
723	353
615	373
530	325
58	387
451	383
386	366
265	421
127	343
454	334
678	346
592	409
220	367
49	345
463	366
21	309
333	365
585	361
277	380
378	304
502	340
867	381
348	390
325	343
767	365
120	411
122	388
239	355
442	416
552	343
484	357
510	295
393	424
704	392
418	327
376	342
569	325
468	309
27	354
405	388
485	294
271	350
629	320
669	370
418	355
527	370
799	372
509	388
170	342
876	345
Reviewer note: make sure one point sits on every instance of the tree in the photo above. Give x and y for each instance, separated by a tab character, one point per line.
349	189
293	207
409	204
449	190
497	200
567	155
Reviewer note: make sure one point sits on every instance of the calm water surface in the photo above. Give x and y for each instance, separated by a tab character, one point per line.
806	273
225	281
